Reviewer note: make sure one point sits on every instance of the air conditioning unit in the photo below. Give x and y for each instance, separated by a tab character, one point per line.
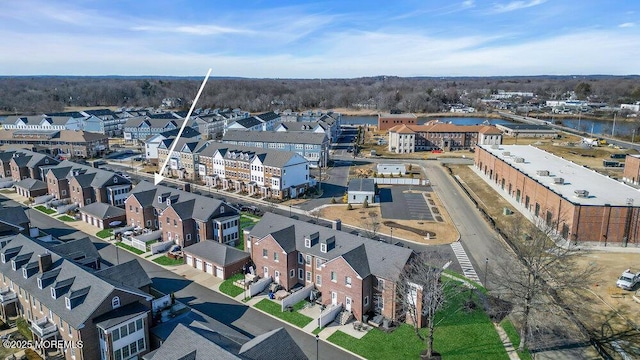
558	181
542	172
581	193
506	153
519	160
495	146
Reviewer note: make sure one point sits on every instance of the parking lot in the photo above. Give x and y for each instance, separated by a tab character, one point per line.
397	203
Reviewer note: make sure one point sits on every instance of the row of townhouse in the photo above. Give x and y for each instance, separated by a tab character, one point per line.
184	218
311	145
262	122
327	124
99	314
103	121
142	127
436	135
152	143
63	143
265	173
24	164
354	272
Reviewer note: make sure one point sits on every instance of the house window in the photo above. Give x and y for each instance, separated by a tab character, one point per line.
300	274
334	276
308	276
115	334
381	284
276	256
379	302
67	303
300	259
265	253
347	280
319	280
139	324
64	192
188	236
115	302
318	263
308	260
292	273
366	301
53	293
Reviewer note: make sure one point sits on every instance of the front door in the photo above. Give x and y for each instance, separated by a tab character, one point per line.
347	304
266	272
276	274
334	298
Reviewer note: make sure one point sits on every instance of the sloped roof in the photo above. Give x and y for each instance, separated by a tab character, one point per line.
102	211
268	116
361	185
31	184
129	273
268	157
191	343
14	215
358	260
80	250
275	344
292	137
187	133
438	127
120	315
248	122
216	252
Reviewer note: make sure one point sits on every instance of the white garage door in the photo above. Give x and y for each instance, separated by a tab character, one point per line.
209	268
189	260
199	264
219	272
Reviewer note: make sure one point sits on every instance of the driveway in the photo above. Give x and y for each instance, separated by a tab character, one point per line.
395	203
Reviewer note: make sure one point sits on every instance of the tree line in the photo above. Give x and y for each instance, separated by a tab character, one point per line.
23	95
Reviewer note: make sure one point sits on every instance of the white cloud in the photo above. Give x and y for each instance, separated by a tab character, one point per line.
201	30
516	5
627	25
468	3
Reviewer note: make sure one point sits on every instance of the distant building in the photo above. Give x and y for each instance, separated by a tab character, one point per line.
359	190
151	144
64	143
632	169
436	135
387	121
527	130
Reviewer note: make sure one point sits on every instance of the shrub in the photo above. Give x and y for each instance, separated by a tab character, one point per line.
349	207
333	200
365	204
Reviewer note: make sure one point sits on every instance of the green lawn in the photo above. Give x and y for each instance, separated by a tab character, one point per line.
227	286
514	337
462	277
23	328
274	309
45	210
7	191
167	261
66	218
245	220
103	234
150	243
130	248
460	335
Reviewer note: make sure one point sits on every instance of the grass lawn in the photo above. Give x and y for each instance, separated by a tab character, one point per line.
103	234
274	309
227	286
460	335
167	261
245	220
316	331
7	191
66	218
151	243
514	337
23	328
130	248
462	277
45	210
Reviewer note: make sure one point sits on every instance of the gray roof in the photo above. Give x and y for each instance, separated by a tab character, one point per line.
31	184
383	260
193	319
151	122
130	273
14	215
102	211
187	133
217	253
362	185
275	344
87	176
191	343
306	126
525	127
289	137
97	289
80	250
602	189
6	155
249	122
120	315
268	157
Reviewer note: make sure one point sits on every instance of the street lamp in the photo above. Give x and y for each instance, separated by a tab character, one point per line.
289	209
486	266
317	342
391	235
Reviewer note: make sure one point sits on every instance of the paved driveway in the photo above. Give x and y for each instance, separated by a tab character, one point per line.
396	204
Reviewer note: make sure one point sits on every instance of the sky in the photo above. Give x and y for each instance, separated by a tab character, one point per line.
320	39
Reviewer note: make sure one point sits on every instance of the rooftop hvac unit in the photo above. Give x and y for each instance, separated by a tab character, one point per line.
495	146
582	193
558	181
519	160
542	172
506	153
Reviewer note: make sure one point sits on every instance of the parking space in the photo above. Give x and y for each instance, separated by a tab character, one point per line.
397	203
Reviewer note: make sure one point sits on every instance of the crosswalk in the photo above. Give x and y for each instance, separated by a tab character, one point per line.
467	268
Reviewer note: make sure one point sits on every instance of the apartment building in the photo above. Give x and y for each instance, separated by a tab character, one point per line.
151	144
25	164
387	121
312	146
262	122
357	273
63	300
183	217
43	122
436	135
63	143
141	127
582	205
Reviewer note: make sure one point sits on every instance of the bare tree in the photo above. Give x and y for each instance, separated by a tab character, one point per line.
371	224
548	267
422	293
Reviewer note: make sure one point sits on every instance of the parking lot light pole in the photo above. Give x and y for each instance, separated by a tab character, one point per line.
317	346
289	209
391	235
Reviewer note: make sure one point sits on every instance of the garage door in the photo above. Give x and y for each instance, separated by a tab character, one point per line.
219	272
209	268
189	260
199	264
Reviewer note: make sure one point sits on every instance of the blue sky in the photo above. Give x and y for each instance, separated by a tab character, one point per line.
320	39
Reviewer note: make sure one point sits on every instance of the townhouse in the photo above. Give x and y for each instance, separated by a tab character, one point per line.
63	143
312	146
357	273
212	124
183	217
63	300
578	203
141	127
26	164
436	135
85	185
262	122
264	173
151	144
43	122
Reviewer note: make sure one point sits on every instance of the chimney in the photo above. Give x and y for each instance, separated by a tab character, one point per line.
187	187
44	262
337	224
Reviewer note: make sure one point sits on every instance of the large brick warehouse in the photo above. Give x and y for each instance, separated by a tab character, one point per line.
581	204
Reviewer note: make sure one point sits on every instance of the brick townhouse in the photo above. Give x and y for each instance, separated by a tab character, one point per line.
62	300
26	164
183	217
66	143
357	273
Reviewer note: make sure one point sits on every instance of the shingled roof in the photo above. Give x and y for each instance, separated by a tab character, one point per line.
217	253
291	137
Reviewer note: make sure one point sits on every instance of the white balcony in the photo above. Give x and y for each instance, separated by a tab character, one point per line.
43	327
7	296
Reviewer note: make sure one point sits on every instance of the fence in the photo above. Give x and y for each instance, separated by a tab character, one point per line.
161	247
328	315
297	296
140	241
42	199
259	286
64	208
161	303
400	181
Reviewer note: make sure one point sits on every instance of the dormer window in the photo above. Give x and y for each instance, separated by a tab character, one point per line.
3	258
67	302
39	283
25	273
168	202
307	243
115	302
323	248
53	293
115	179
221	209
159	199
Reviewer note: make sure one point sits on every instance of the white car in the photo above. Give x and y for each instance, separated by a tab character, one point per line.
628	280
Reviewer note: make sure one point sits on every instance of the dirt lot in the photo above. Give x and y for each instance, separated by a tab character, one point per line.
445	232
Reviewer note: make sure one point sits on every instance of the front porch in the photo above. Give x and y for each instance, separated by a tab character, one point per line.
45	329
9	305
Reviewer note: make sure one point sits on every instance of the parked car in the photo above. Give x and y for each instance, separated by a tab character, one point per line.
628	280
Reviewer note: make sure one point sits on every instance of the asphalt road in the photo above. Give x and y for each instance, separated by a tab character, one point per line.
238	317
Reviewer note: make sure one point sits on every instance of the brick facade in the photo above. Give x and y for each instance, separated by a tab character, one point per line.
632	169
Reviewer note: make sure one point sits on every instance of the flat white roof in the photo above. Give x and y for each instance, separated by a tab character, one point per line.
602	189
